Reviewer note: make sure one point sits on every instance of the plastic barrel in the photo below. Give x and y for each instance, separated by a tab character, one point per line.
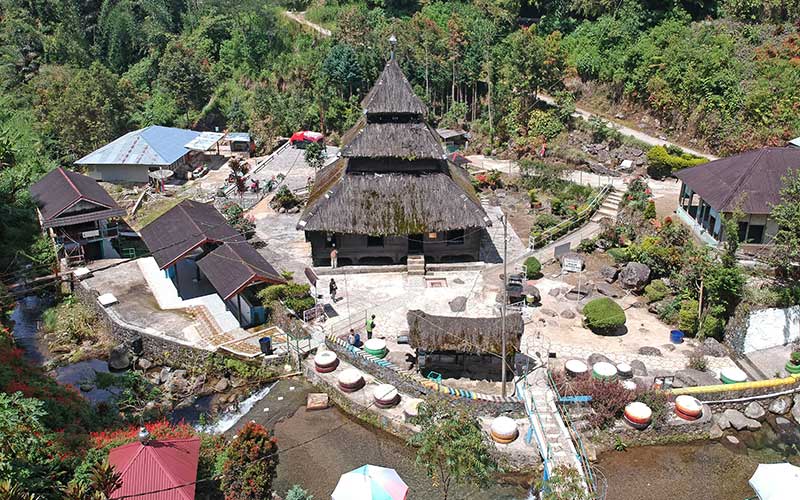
266	345
676	336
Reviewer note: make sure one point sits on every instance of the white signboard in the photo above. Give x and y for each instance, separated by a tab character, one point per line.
571	265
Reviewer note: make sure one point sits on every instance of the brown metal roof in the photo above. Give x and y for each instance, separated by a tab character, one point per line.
61	189
392	94
751	180
183	228
233	267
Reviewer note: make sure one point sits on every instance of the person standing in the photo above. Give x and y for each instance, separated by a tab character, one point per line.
332	288
334	257
370	326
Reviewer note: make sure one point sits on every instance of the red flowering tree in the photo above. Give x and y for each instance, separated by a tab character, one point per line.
250	464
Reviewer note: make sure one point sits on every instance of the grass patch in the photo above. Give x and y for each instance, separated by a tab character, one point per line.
152	211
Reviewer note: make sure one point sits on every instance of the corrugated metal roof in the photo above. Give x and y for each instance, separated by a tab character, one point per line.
204	141
153	145
238	137
159	465
234	266
61	189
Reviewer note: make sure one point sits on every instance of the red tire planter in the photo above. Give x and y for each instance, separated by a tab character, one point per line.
638	414
685	416
352	388
327	369
688	407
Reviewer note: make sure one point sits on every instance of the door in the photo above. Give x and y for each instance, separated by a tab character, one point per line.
415	244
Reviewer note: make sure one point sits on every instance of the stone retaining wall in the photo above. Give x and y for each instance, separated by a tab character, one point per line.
410	385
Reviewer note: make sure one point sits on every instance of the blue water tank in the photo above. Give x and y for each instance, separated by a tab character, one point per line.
266	345
676	336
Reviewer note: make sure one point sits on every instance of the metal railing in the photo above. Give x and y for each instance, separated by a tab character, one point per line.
545	450
552	233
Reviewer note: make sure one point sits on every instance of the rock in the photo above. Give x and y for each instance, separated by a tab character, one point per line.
649	351
755	411
780	421
458	304
185	403
458	281
668	347
568	314
796	409
548	312
164	375
293	210
638	368
222	385
119	358
737	419
780	405
608	290
597	358
753	425
722	421
609	273
732	439
715	432
317	401
176	382
572	256
712	347
144	364
693	378
634	276
591	451
86	386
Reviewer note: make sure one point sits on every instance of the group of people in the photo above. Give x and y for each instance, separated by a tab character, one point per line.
354	338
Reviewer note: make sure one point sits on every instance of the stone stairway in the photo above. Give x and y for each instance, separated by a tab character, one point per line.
207	326
416	265
609	207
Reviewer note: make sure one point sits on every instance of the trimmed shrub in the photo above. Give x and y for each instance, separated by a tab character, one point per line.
656	291
603	315
620	255
533	268
662	164
687	317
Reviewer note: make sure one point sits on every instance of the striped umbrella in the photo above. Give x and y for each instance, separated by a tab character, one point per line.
370	482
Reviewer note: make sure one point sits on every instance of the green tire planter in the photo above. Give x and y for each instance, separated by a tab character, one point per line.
726	380
378	354
792	368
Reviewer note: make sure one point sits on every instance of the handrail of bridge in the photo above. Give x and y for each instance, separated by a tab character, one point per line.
591	481
544	447
581	216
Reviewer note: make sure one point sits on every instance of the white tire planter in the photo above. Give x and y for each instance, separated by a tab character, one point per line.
732	375
386	396
351	380
688	408
504	430
624	370
576	368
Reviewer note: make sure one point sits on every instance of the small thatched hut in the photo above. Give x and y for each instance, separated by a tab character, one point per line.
457	346
393	193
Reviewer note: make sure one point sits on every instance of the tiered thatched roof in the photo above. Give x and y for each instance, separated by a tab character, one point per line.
393	178
431	333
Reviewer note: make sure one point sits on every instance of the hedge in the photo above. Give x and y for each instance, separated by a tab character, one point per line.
533	268
662	164
603	315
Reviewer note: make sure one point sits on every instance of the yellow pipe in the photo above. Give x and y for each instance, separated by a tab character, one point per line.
741	386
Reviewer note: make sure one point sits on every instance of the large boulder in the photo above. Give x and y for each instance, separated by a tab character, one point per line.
119	358
694	378
597	358
738	420
722	421
712	347
634	276
608	290
609	273
754	411
458	304
780	405
638	368
649	351
796	409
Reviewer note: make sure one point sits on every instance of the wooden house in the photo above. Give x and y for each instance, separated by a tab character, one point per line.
393	192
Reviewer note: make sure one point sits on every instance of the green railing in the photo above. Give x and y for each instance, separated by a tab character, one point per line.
552	233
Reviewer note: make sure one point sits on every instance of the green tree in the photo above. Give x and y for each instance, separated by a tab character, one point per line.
250	464
184	74
298	493
565	483
451	446
343	69
786	244
314	154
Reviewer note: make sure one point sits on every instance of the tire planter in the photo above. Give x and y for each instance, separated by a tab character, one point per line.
351	380
688	408
576	368
638	415
624	370
326	362
376	347
386	396
792	368
629	385
732	375
411	409
604	371
504	430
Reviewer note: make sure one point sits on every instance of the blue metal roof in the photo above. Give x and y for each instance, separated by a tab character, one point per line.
153	145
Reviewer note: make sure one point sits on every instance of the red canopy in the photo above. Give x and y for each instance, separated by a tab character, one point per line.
159	465
306	135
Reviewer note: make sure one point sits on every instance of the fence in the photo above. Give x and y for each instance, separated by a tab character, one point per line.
552	233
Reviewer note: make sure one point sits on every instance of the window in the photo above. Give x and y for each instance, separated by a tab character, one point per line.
374	241
755	234
455	237
742	231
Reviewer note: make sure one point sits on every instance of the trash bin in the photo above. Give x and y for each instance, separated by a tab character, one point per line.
676	336
266	345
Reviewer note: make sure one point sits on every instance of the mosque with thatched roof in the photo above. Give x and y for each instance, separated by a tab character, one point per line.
393	193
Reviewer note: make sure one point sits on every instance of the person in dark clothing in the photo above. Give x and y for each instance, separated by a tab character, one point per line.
333	288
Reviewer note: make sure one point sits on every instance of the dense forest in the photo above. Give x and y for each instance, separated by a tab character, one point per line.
78	73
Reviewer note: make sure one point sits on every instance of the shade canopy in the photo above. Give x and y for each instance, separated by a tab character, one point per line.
370	482
776	481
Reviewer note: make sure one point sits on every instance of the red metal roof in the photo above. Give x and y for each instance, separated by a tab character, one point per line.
159	465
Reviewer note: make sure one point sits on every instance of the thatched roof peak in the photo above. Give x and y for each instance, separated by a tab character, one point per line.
430	333
392	94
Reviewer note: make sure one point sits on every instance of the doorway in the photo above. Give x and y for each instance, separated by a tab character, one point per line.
415	244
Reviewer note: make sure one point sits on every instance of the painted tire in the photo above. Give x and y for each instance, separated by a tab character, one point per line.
604	371
638	413
327	369
350	378
792	368
732	375
376	345
688	406
352	388
411	408
504	430
388	404
576	368
624	370
385	393
326	359
685	416
636	426
378	354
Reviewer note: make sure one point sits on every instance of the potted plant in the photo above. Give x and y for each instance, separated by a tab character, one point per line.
793	365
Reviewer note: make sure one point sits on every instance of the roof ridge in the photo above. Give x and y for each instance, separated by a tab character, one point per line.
188	216
166	470
133	458
72	184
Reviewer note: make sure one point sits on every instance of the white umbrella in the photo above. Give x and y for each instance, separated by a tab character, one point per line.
776	481
370	482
